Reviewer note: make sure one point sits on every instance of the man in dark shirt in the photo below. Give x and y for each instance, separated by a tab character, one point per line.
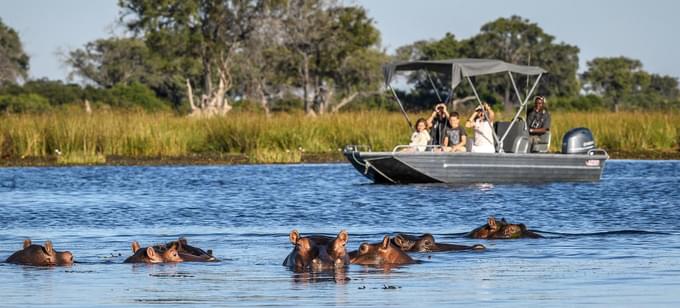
538	120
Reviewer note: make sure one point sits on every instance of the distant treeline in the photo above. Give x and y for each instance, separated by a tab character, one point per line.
315	56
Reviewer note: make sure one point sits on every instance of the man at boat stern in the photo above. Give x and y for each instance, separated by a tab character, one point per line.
538	119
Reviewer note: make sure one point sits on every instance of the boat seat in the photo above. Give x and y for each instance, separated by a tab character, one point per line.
520	145
543	145
514	140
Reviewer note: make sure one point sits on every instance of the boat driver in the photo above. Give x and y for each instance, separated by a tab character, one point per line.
538	120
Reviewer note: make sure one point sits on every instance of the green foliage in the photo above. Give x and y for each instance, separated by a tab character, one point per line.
576	103
23	103
136	95
13	59
621	82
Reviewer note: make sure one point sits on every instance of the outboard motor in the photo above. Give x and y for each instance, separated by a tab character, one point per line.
578	141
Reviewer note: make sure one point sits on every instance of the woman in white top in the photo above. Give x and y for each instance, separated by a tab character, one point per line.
420	137
484	142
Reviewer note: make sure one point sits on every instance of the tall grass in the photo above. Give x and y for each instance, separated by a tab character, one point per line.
83	138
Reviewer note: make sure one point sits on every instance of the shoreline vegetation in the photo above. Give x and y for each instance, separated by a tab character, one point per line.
107	137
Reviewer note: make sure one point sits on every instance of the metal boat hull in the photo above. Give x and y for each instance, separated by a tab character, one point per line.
467	168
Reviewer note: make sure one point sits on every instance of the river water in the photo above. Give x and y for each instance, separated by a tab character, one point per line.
613	242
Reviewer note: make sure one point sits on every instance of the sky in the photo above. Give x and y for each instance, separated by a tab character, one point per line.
643	30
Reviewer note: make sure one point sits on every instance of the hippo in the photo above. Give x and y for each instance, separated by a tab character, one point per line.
426	243
187	252
153	255
317	252
501	229
37	255
383	253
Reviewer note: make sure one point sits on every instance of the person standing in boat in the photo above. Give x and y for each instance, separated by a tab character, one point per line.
538	119
455	137
438	122
482	123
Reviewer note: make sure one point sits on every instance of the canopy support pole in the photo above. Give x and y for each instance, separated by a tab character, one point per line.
499	149
433	85
522	102
394	93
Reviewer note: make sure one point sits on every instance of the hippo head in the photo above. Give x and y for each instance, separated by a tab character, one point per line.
421	243
171	255
147	255
64	258
191	253
34	255
318	252
383	253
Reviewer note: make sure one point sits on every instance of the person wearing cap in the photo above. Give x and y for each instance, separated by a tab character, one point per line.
538	120
482	123
438	122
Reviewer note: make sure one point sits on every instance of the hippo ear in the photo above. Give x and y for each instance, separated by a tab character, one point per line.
182	241
48	247
399	240
27	242
135	246
294	236
343	236
150	252
491	221
385	242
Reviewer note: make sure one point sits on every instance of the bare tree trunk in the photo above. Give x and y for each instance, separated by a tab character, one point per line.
305	86
88	108
456	102
213	102
346	100
264	101
507	103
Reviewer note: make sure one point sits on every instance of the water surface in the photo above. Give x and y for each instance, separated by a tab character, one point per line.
616	241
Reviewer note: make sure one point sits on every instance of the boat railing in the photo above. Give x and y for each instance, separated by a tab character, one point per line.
357	148
598	152
414	148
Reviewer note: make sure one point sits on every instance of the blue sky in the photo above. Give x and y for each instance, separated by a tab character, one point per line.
644	30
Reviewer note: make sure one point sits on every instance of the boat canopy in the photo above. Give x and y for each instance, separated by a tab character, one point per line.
459	68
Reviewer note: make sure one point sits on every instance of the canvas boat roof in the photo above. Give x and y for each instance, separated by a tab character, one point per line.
459	68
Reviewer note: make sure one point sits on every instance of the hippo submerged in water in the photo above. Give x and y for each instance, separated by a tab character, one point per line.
153	254
38	255
189	253
501	229
383	253
426	243
317	252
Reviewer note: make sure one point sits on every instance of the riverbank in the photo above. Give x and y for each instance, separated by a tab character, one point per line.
238	159
127	138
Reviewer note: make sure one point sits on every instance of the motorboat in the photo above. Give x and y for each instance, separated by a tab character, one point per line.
514	159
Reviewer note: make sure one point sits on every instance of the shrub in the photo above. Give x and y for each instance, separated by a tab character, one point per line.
135	95
24	103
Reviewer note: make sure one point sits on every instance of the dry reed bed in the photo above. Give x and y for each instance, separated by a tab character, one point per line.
82	138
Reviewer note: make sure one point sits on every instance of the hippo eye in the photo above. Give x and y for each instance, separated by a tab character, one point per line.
363	248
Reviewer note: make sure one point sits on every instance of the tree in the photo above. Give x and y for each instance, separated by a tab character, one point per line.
13	59
108	62
517	40
333	50
616	79
191	35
